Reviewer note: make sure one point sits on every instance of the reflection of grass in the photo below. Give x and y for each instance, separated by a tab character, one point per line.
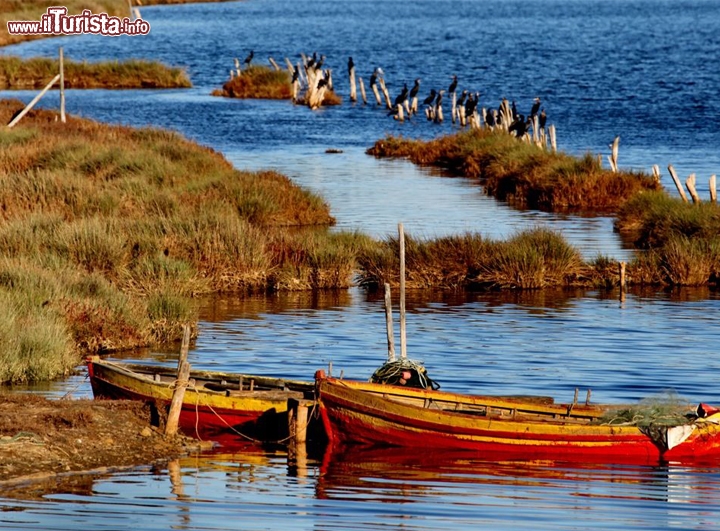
109	233
16	73
522	173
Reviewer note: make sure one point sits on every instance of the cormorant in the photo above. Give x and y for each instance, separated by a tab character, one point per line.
463	96
311	62
535	107
319	64
402	96
431	98
542	119
453	85
514	111
416	88
296	74
249	58
351	65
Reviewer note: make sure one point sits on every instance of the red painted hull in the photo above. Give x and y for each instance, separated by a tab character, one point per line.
361	413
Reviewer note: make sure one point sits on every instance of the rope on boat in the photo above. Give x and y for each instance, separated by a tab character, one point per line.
405	372
311	414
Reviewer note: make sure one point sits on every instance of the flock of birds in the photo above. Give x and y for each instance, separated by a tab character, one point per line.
464	105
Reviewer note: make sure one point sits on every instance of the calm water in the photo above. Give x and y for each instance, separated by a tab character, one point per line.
643	69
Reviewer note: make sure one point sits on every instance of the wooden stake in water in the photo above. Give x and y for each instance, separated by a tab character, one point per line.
62	87
677	183
353	91
690	183
656	173
180	385
363	95
713	189
403	337
389	323
614	156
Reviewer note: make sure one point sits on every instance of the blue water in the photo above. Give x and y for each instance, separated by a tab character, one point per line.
641	69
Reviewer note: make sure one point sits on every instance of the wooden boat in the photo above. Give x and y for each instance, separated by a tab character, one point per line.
506	427
223	407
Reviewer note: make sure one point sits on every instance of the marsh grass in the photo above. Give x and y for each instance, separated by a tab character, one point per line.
258	82
35	73
110	233
532	259
522	173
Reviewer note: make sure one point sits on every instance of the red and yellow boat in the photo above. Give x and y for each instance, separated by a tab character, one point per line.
521	427
224	407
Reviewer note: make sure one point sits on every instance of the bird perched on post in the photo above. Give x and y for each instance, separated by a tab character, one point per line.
453	85
249	58
413	96
400	99
351	65
542	119
535	107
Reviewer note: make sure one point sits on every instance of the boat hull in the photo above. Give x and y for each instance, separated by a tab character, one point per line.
359	412
259	415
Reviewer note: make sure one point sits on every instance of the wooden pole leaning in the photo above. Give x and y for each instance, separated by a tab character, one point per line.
363	95
180	385
33	102
677	183
690	184
403	336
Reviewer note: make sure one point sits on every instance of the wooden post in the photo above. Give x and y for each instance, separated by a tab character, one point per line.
374	88
403	339
690	183
353	90
656	173
677	182
453	106
274	64
622	275
400	115
363	95
553	142
713	189
62	87
33	102
389	323
386	93
298	420
180	385
613	158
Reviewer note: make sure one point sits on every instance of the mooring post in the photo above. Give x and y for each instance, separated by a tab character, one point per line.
690	183
713	189
403	337
656	173
389	323
622	275
677	183
353	90
181	383
274	64
62	87
400	113
363	95
386	93
553	142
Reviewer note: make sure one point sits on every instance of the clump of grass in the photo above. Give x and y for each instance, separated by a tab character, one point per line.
16	73
522	173
110	233
258	82
532	259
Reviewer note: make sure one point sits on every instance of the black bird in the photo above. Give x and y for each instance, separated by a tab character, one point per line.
514	111
373	78
311	62
453	85
535	107
519	126
296	74
431	98
402	96
351	65
542	119
471	104
463	96
416	88
489	118
249	58
319	64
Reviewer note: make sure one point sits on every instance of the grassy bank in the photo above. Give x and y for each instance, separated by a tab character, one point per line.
522	173
110	232
35	73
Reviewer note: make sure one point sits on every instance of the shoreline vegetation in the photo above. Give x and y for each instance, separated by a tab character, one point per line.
110	233
34	73
521	173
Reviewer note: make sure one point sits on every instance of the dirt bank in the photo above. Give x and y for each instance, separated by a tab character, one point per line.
45	442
